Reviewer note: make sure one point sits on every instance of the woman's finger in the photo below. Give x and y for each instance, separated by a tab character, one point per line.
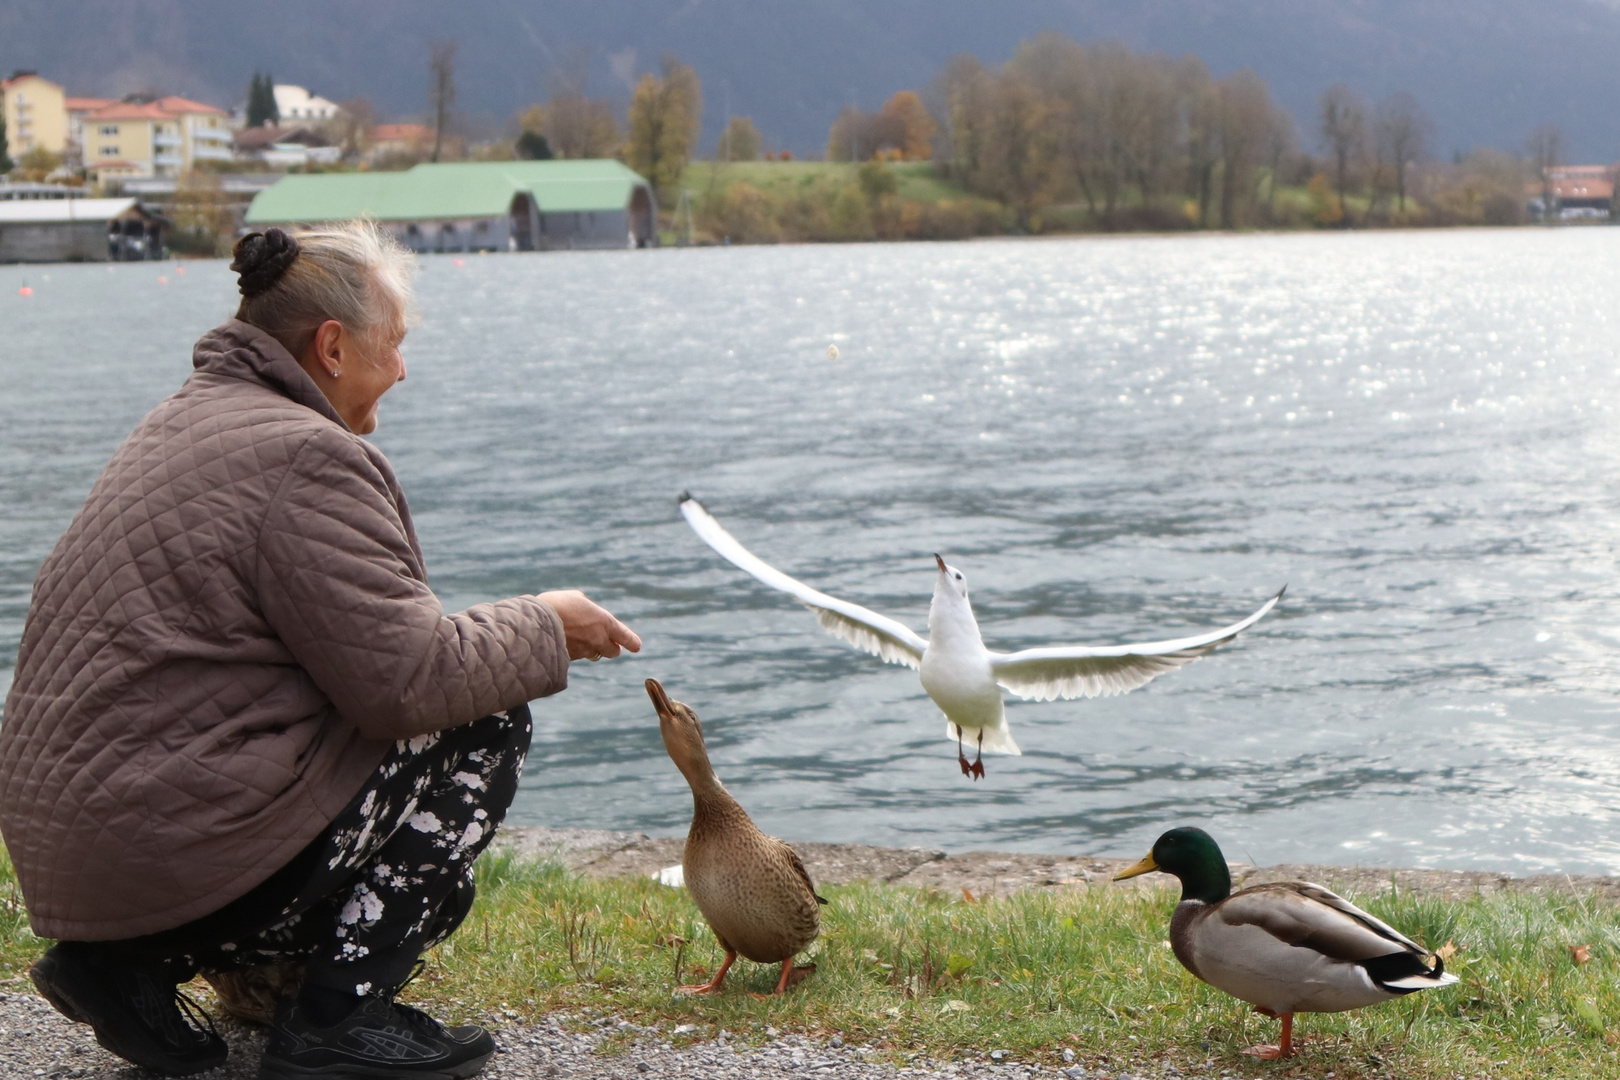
623	635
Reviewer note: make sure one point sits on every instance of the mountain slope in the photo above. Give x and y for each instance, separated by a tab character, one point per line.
1488	70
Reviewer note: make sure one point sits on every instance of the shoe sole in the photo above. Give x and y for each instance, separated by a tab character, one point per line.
41	973
285	1070
48	981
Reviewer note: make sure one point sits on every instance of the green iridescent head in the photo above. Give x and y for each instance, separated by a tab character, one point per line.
1191	855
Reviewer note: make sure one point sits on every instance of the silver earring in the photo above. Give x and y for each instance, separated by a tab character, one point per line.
334	373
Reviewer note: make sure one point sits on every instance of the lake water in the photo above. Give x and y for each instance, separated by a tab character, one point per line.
1113	438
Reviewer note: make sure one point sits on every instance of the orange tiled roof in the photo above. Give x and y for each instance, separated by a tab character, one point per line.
87	104
123	110
403	132
20	78
177	104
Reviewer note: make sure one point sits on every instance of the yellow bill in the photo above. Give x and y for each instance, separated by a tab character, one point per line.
1146	866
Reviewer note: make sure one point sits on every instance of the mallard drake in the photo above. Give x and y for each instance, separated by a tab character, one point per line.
964	678
752	888
1286	947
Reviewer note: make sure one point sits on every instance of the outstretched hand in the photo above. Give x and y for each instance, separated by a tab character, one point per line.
591	631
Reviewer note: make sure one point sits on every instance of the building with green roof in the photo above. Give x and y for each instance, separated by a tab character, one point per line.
477	205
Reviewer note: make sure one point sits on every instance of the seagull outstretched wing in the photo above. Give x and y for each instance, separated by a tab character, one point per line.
895	642
1072	671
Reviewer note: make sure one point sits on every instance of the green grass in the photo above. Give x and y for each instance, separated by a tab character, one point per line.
916	179
1088	970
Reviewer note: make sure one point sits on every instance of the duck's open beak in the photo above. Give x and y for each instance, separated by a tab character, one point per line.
1146	866
660	700
941	562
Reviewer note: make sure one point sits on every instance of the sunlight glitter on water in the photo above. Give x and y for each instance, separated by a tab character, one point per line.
1115	438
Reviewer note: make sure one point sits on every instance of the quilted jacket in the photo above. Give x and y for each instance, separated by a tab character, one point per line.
221	648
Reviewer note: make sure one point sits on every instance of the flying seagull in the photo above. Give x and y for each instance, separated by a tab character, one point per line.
963	677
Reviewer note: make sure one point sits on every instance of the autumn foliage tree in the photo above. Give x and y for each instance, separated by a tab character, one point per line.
666	113
903	128
739	142
1131	135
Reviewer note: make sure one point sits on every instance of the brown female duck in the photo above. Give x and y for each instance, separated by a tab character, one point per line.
752	888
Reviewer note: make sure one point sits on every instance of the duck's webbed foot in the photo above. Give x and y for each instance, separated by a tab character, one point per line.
713	985
791	976
1285	1047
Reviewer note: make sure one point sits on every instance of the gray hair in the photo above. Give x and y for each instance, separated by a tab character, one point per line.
349	271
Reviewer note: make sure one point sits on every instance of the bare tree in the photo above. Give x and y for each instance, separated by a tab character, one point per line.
1546	145
441	90
1245	115
1344	135
1280	142
1403	133
351	128
1058	68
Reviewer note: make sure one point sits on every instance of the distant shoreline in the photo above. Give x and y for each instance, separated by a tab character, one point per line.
601	853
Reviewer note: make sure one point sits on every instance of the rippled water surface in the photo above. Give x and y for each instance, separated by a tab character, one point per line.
1114	438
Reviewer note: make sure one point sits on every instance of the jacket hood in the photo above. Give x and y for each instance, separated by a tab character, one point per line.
240	350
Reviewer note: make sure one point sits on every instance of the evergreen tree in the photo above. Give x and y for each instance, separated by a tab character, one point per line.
261	103
533	146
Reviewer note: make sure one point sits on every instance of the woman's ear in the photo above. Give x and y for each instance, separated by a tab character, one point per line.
326	347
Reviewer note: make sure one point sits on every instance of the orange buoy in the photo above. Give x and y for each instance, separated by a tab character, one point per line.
458	262
163	279
25	291
179	269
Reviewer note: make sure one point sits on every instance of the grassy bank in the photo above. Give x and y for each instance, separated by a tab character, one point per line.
809	201
1033	974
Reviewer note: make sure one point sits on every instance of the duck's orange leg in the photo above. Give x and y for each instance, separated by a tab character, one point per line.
1285	1047
713	985
792	976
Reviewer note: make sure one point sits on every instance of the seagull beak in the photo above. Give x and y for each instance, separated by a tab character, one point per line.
940	561
1146	866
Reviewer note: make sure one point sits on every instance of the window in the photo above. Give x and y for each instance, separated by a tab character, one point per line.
108	129
109	151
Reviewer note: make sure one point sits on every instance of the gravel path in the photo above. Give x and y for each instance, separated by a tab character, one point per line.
36	1042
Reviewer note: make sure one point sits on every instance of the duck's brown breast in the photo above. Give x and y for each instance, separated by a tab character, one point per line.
749	887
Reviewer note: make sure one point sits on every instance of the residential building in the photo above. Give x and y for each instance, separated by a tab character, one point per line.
161	137
205	131
286	147
477	206
35	117
77	109
294	103
1578	192
399	140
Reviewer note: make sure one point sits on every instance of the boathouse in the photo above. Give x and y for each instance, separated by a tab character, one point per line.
78	230
477	206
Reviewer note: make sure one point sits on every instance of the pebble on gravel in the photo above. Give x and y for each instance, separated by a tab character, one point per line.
39	1042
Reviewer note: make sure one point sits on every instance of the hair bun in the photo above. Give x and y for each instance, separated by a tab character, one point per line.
261	259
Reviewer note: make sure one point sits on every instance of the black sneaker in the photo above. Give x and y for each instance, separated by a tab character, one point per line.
381	1038
137	1013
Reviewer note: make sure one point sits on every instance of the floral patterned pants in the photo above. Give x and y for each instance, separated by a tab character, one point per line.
389	878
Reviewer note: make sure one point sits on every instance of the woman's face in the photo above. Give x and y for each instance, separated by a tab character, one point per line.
354	371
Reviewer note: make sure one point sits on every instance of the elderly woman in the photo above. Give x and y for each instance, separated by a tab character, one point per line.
242	729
